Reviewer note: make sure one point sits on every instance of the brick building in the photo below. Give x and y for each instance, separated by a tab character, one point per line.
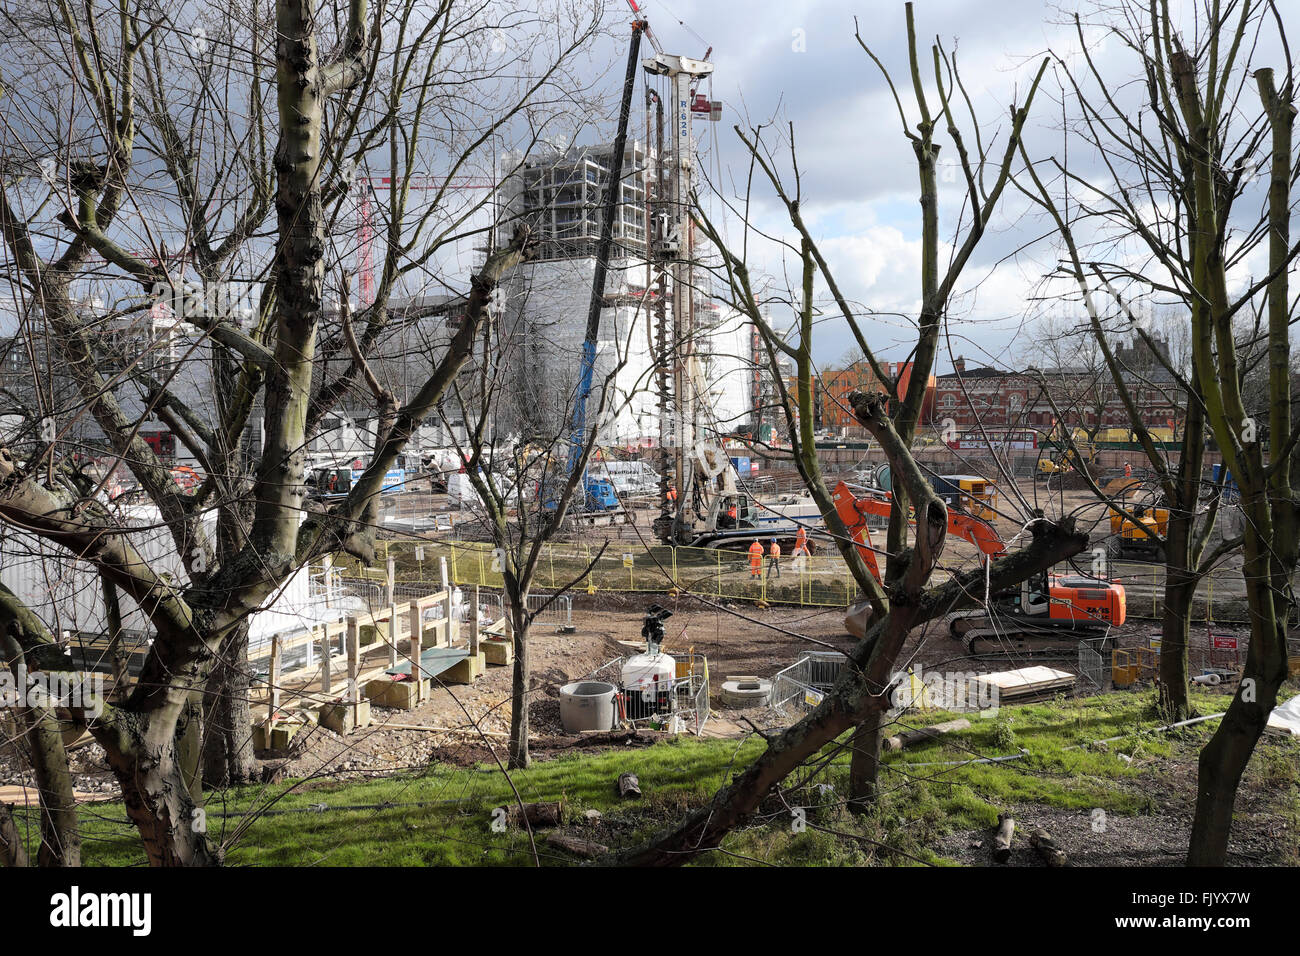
831	390
1033	399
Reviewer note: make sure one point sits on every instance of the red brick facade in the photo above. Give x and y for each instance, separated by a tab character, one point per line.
1087	400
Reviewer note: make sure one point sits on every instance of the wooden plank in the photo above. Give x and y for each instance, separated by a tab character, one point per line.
394	631
417	632
473	622
325	659
354	660
273	678
452	626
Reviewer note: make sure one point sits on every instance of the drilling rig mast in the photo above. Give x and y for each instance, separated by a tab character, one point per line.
692	462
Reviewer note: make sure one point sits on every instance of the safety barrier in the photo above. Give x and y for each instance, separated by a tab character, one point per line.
800	687
818	580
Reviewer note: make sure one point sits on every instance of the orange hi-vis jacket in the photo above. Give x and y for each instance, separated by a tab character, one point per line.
775	550
755	555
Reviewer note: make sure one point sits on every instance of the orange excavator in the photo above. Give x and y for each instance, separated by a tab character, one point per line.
1047	612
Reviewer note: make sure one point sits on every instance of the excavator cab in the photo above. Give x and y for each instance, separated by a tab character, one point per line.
1035	595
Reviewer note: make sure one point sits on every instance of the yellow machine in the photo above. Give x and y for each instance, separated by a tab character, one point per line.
1128	538
1128	666
969	493
1060	462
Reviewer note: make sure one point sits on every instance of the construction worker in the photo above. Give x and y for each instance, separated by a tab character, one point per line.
774	559
799	557
801	540
672	494
755	560
1128	470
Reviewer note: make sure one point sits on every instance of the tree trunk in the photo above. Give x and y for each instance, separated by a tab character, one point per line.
519	754
13	852
864	765
228	758
864	762
157	792
1224	758
1180	586
60	835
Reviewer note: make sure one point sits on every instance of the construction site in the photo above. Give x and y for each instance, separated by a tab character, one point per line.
592	553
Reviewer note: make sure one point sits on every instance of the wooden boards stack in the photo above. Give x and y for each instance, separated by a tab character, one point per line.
1038	681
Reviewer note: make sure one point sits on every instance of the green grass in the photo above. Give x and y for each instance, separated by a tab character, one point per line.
444	815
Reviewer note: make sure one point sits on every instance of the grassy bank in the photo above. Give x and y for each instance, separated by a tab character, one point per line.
444	815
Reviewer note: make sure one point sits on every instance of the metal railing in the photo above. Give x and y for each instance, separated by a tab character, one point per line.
800	687
558	614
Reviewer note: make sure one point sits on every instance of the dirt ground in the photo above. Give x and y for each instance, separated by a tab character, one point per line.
736	638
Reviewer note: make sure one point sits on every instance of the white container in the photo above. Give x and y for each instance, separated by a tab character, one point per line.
646	678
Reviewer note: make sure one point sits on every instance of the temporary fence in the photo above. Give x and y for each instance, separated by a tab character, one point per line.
800	687
688	690
818	580
551	610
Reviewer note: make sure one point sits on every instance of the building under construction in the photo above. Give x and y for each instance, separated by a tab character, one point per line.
559	194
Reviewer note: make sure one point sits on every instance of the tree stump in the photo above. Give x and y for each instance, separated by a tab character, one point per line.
628	785
1002	839
1042	841
537	814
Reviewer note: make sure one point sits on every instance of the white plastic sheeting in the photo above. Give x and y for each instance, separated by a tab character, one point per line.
1285	718
67	595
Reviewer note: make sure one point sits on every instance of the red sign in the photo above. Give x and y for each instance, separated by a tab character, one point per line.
1225	643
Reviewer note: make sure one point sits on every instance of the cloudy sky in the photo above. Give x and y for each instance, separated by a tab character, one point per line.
800	62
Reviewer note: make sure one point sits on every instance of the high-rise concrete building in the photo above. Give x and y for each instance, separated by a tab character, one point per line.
560	195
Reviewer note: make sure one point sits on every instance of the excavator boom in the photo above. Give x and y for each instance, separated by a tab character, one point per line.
853	511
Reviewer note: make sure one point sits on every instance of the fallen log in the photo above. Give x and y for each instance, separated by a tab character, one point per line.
601	738
578	846
1002	839
1042	841
907	738
628	785
537	814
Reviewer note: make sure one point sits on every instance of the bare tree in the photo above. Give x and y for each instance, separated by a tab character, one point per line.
906	599
321	66
1166	214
